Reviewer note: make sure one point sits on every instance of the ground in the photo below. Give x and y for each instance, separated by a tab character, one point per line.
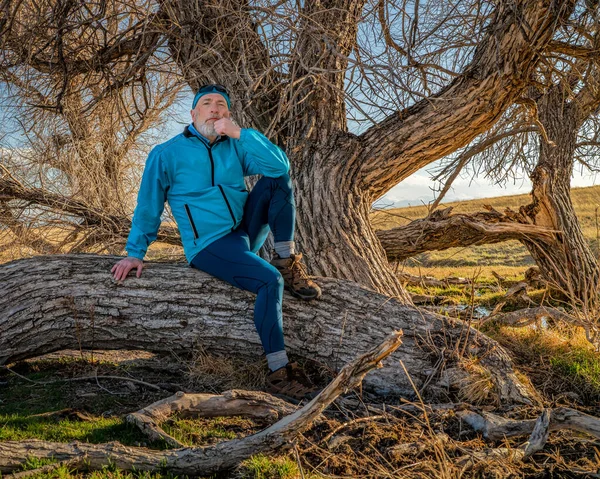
359	436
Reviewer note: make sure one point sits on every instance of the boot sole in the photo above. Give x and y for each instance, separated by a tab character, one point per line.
300	296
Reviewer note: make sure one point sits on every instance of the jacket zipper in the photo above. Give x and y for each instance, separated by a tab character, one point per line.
228	205
189	215
212	179
212	168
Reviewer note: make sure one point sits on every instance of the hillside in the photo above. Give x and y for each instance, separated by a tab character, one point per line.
510	258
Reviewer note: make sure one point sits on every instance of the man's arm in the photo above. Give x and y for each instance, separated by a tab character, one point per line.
261	157
146	218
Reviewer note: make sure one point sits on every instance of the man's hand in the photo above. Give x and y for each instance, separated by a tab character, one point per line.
225	126
123	267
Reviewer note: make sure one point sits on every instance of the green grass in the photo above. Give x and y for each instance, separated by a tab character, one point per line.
204	431
263	467
556	360
97	430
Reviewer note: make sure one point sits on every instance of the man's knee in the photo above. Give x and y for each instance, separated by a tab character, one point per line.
284	182
275	280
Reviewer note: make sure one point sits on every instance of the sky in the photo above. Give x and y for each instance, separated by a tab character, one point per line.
417	189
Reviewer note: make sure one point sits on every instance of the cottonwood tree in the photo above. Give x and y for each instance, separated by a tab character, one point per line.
420	80
297	73
83	88
552	127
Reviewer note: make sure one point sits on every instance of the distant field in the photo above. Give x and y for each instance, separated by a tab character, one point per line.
509	258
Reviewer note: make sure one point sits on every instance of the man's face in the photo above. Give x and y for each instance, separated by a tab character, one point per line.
210	108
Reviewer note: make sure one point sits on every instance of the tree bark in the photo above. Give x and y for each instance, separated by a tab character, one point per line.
59	302
442	230
565	260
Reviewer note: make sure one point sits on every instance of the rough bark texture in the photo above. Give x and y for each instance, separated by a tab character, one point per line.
566	261
498	428
442	230
59	302
337	175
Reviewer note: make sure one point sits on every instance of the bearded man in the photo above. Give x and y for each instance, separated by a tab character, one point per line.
200	172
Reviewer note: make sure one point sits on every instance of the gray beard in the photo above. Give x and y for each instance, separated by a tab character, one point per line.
207	130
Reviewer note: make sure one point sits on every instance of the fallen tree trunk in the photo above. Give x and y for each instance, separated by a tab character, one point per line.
202	461
60	302
442	230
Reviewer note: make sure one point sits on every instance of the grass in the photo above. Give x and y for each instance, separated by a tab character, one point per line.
509	259
263	467
558	360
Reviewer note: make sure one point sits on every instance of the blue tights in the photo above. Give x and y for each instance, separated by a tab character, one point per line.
232	258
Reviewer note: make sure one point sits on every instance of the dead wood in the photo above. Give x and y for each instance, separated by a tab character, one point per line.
203	460
516	294
537	315
431	282
442	230
497	428
70	302
252	404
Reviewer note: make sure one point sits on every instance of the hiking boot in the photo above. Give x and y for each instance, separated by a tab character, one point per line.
295	278
290	383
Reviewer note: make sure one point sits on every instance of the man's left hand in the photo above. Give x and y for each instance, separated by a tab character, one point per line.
225	126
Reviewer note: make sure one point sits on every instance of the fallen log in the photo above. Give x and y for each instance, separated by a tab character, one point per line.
442	230
252	404
202	461
52	303
497	428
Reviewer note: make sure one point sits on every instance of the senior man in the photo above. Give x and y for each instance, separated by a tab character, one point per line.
200	172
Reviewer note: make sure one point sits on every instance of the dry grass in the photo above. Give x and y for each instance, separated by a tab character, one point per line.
220	373
558	360
509	259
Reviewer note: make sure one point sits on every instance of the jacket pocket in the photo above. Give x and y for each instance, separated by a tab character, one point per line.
228	205
189	215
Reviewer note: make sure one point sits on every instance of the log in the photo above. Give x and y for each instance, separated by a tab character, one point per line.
497	428
203	461
50	303
252	404
442	230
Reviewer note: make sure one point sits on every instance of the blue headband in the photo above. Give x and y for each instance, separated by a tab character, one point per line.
207	89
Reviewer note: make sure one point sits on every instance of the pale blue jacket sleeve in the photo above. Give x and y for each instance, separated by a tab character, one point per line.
260	156
150	205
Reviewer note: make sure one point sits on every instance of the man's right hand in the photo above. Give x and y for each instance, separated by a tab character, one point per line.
123	267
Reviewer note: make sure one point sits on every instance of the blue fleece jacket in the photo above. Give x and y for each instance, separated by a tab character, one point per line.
204	185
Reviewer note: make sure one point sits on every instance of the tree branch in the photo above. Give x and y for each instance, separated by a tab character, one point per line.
434	127
217	42
442	230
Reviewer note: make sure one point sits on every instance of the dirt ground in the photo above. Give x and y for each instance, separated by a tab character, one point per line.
358	436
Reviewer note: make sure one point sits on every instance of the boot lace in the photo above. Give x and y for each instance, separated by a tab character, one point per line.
298	270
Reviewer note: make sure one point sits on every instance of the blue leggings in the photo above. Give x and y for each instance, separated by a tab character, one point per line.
233	258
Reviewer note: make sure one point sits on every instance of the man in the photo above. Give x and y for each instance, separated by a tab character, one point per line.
200	172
